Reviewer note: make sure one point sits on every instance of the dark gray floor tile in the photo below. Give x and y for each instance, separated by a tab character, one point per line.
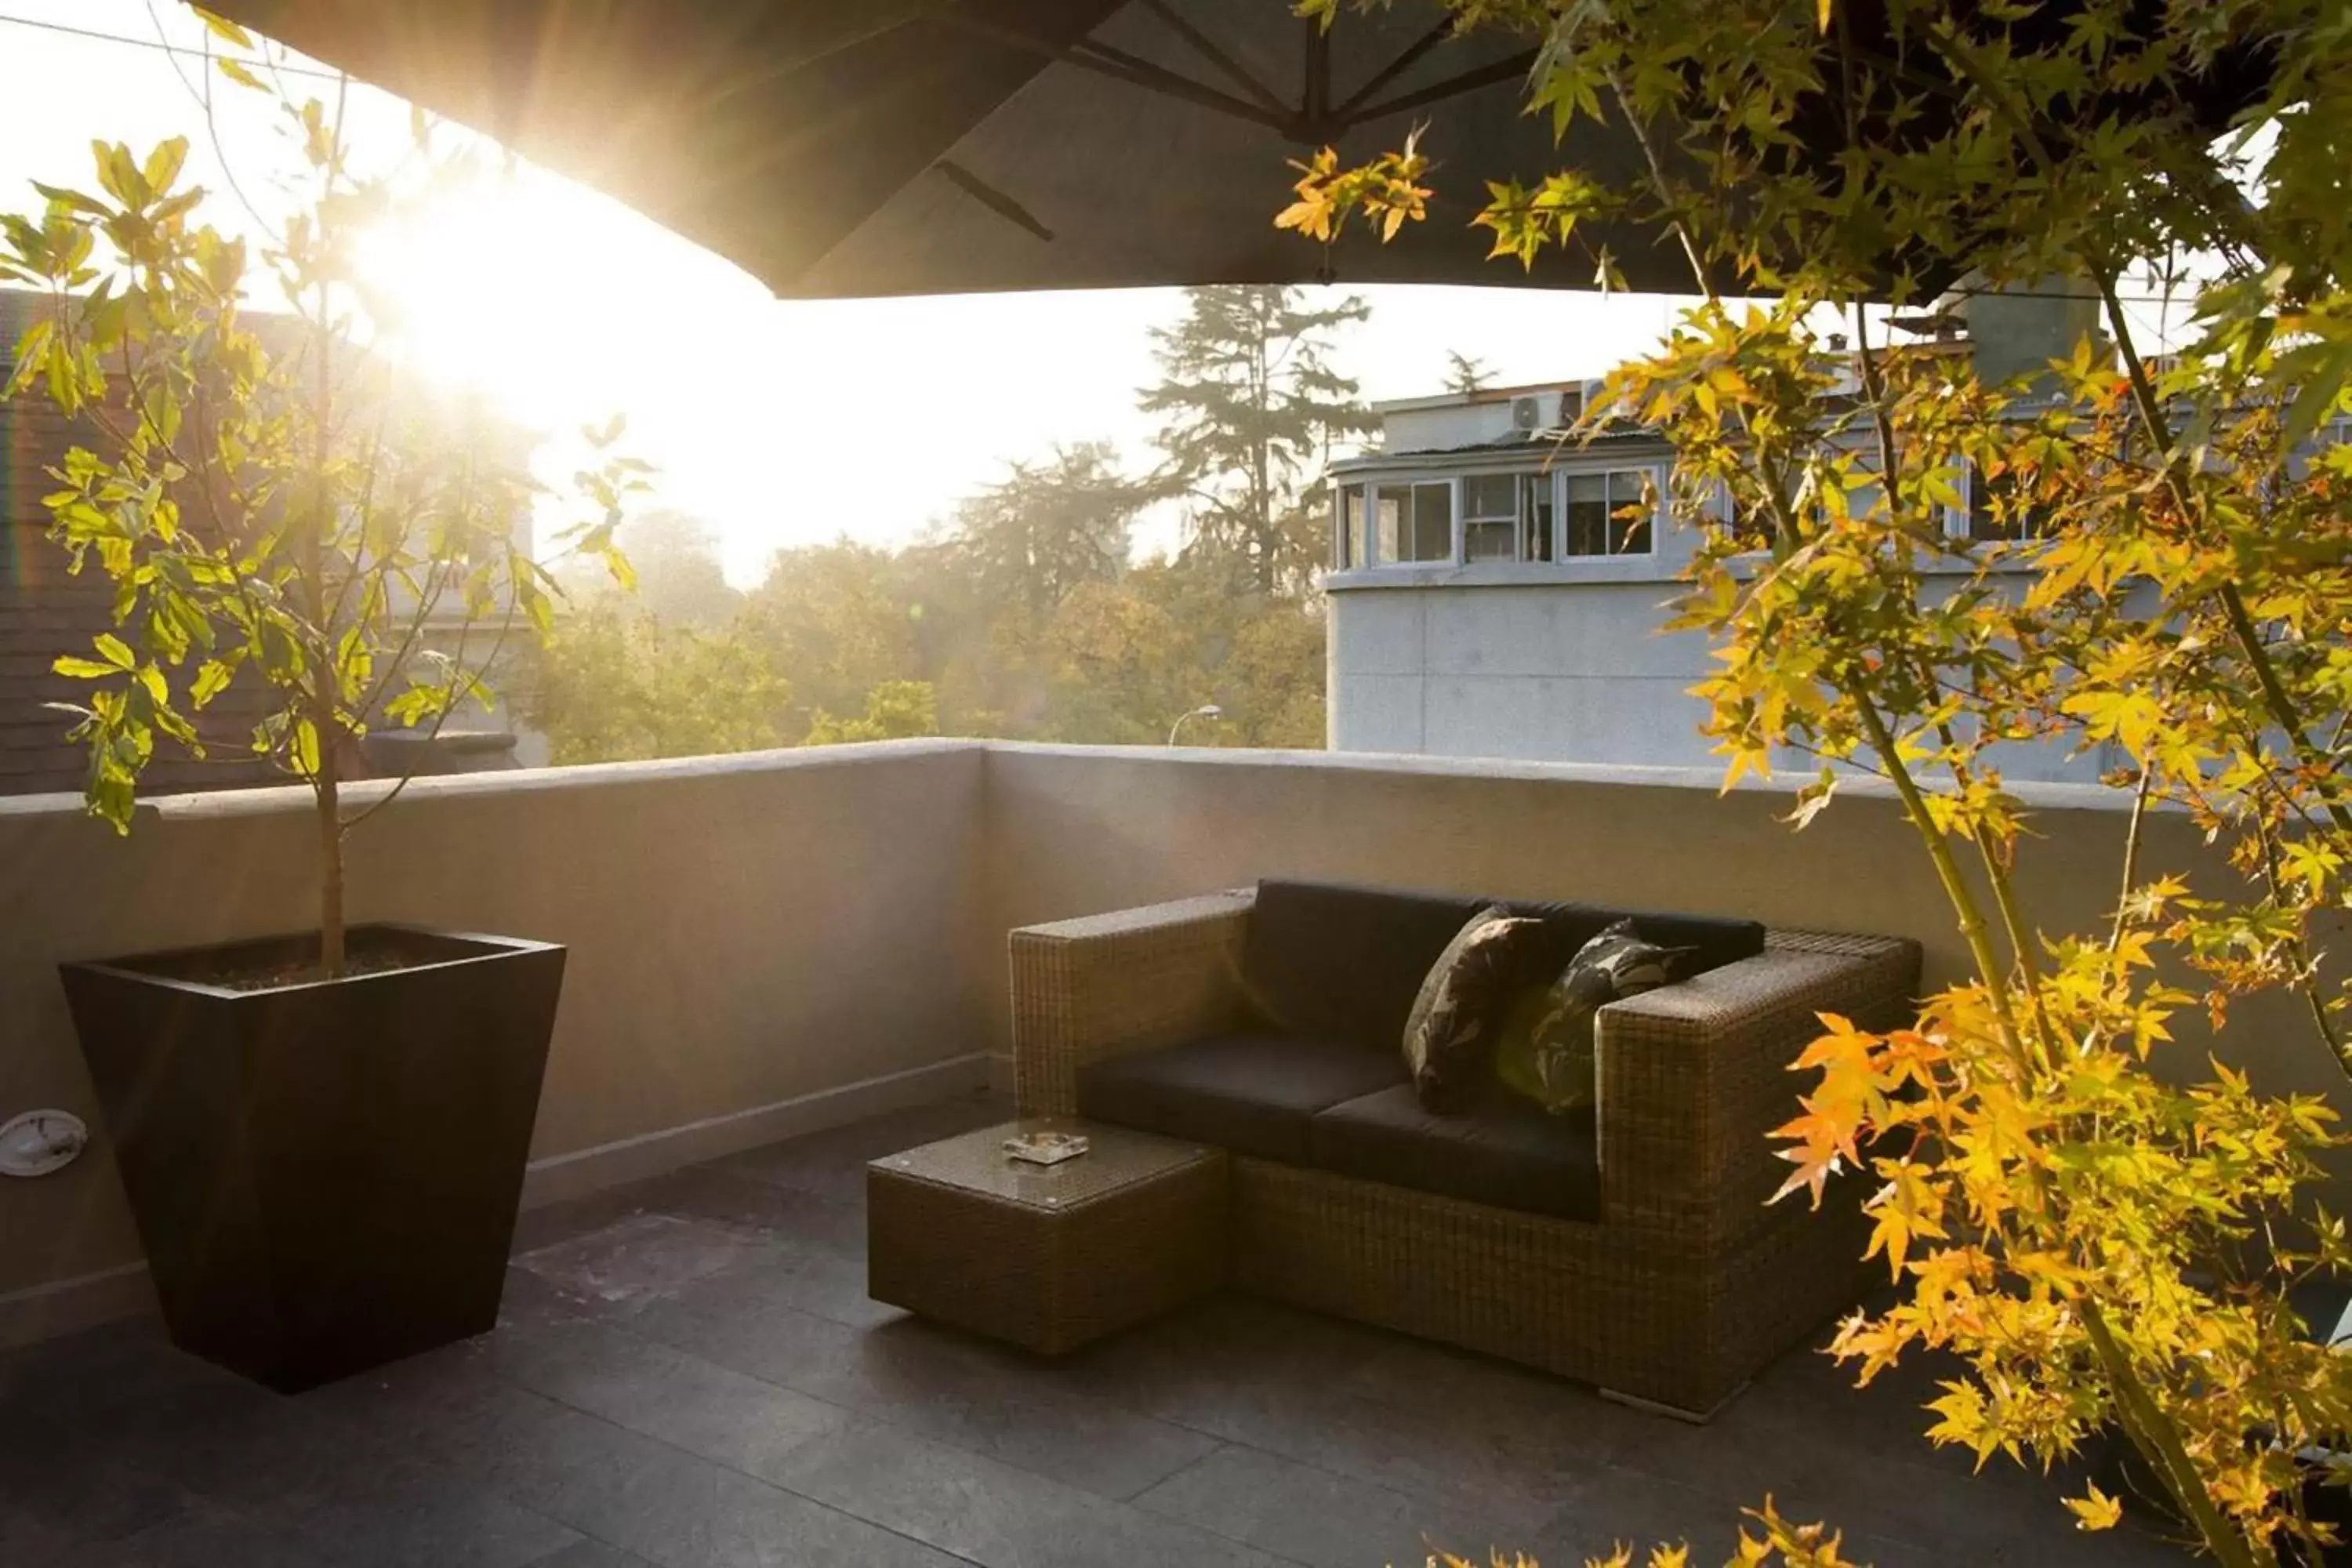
226	1543
716	1195
85	1488
86	1376
638	1259
740	1421
1314	1517
764	1339
680	1512
592	1554
991	1513
815	1280
991	1400
1227	1342
1445	1457
242	1446
425	1514
831	1163
449	1409
29	1536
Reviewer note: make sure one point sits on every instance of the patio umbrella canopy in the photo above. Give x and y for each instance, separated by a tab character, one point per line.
875	147
839	148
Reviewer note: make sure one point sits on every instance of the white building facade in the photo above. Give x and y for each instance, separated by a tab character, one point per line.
1497	591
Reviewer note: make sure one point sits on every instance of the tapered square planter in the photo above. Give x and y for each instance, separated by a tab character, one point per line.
325	1175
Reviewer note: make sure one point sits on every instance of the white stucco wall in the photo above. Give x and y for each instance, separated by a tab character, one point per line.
1563	664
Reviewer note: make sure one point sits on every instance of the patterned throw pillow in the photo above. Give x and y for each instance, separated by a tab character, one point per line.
1449	1036
1545	1052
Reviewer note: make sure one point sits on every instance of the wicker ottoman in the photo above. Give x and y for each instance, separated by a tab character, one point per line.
1048	1257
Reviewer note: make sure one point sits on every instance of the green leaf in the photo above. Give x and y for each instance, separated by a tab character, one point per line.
83	669
212	678
2323	385
222	27
303	755
165	163
116	650
240	75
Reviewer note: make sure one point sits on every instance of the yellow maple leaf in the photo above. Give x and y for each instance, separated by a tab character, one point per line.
2095	1512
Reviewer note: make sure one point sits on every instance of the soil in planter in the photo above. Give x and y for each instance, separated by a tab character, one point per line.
275	963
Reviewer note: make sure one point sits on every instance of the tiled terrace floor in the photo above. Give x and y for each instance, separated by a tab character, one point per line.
690	1374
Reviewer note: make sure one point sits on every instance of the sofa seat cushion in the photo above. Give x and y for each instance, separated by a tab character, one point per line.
1502	1152
1252	1093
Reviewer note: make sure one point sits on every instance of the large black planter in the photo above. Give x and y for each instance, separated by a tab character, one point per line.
325	1175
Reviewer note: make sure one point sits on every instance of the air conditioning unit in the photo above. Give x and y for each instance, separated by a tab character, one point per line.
1527	413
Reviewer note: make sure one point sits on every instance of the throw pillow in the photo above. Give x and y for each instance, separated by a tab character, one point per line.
1545	1049
1449	1036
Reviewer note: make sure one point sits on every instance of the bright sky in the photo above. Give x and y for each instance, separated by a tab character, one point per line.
777	422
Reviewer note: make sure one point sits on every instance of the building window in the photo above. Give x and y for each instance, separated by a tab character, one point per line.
1536	516
1490	517
1351	541
1609	513
1413	522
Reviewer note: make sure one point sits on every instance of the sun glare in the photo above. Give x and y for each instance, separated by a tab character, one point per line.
486	289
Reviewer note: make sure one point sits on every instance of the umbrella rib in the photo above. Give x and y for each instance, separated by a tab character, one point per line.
1144	73
1208	49
992	198
1506	69
1397	67
1088	53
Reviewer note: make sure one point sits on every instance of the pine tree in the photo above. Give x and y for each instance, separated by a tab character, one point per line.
1253	406
1036	535
1466	375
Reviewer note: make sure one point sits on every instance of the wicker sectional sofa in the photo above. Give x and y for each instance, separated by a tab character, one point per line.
1632	1250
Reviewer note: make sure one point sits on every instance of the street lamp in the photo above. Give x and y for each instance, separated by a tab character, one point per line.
1205	711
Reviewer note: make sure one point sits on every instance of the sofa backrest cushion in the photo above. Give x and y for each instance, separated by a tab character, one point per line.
1717	941
1345	962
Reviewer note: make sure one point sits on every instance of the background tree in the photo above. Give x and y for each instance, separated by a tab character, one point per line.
1023	613
679	579
1047	529
1465	377
841	619
895	711
615	685
1253	406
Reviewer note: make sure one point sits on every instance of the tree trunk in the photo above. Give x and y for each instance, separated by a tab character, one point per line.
326	790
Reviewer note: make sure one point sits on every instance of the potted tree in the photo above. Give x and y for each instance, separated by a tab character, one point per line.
322	1134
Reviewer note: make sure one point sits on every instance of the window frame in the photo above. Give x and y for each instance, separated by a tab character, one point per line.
1653	477
1549	482
1515	520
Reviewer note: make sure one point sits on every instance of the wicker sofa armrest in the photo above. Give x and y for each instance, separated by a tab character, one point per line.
1103	984
1694	1077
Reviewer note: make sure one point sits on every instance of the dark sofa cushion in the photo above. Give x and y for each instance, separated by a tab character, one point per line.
1343	962
1716	941
1252	1093
1449	1036
1502	1152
